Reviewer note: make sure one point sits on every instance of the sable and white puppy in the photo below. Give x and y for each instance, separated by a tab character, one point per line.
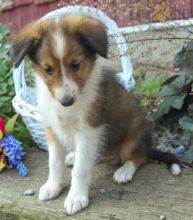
82	105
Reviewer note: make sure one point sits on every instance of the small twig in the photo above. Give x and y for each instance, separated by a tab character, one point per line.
155	66
154	39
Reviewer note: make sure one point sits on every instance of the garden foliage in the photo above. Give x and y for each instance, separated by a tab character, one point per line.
7	91
6	79
173	94
161	96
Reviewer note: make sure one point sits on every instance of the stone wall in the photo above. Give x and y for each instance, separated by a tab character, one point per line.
148	54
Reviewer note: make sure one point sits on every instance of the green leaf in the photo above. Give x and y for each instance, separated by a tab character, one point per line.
149	89
182	81
163	108
173	94
23	135
10	124
178	101
180	60
168	103
186	123
183	59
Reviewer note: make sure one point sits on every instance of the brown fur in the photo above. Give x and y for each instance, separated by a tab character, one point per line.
50	137
128	134
88	106
84	38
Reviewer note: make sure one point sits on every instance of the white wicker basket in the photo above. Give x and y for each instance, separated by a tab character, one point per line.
25	100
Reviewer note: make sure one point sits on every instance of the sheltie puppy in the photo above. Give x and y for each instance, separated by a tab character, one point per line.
83	106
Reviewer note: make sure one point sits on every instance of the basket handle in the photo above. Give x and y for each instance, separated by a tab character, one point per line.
19	80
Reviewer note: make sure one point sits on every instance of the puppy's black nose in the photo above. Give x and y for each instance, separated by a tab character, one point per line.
67	101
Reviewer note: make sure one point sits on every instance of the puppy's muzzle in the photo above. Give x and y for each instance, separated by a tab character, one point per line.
67	101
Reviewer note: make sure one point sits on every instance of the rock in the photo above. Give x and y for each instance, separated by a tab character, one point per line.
102	191
29	192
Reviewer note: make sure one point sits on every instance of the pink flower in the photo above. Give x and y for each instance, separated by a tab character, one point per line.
2	125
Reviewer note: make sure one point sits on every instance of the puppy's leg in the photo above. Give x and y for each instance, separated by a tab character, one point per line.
132	157
85	156
125	173
55	182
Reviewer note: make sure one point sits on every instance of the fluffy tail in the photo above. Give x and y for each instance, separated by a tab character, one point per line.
169	159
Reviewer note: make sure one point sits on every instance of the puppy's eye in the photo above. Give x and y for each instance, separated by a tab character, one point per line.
49	70
74	66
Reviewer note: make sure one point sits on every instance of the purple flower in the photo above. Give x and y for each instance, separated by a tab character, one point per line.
14	153
23	170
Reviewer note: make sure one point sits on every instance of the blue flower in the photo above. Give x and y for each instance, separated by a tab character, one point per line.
14	153
23	170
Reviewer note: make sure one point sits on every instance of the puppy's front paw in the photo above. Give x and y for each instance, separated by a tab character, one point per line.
75	202
121	177
124	174
50	191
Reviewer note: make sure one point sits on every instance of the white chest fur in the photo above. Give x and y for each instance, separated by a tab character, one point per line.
67	122
64	121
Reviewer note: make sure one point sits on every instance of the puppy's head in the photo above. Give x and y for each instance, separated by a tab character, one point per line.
63	52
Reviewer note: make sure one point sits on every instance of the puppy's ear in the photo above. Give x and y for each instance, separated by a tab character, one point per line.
93	35
90	32
21	48
26	42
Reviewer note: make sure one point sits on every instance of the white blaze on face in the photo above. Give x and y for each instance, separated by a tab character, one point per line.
67	88
60	43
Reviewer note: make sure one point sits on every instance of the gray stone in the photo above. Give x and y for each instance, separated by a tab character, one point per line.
29	192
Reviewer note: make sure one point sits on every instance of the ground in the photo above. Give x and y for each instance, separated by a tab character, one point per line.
154	192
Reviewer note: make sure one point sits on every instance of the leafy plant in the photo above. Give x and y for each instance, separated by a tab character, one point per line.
183	58
7	91
179	87
10	124
148	92
6	79
173	95
22	133
19	130
151	88
160	97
